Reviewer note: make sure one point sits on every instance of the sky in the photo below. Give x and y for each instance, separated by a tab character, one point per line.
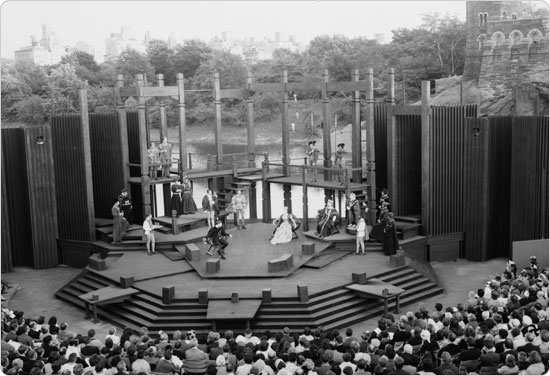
93	21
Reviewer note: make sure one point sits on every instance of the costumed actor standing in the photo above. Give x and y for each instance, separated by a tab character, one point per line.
238	203
210	207
148	230
188	204
120	224
217	237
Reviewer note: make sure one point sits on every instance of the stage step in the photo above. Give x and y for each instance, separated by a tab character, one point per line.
406	230
412	218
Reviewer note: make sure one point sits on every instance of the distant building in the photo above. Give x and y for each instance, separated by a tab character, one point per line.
45	51
126	39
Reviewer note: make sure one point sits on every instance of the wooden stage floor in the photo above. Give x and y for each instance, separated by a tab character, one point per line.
245	268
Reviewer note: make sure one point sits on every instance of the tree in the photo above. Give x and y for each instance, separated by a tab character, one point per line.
62	96
82	59
30	110
230	67
189	56
162	59
132	62
14	90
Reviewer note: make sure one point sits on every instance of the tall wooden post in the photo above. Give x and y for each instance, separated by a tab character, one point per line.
391	142
162	110
287	196
182	127
266	191
284	110
253	204
218	107
123	133
426	145
371	170
89	184
251	132
356	131
305	214
144	162
327	152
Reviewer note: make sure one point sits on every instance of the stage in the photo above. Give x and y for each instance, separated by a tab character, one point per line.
310	292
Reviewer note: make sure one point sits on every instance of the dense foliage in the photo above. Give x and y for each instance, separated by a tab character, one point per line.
433	50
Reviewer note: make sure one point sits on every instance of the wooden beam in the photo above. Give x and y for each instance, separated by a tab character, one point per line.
89	184
266	87
426	146
348	86
250	112
162	111
315	86
233	93
129	91
371	173
143	146
123	133
163	91
284	117
182	126
327	152
407	110
218	110
356	152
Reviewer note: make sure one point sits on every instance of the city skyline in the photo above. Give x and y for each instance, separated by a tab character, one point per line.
94	21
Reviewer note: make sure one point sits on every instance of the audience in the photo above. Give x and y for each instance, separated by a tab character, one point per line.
503	329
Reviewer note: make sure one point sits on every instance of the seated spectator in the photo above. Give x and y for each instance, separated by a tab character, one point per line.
195	359
446	364
165	364
509	367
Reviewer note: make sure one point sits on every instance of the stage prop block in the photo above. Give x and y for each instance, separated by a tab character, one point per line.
96	262
397	260
212	265
359	278
308	249
192	252
303	294
168	294
284	262
266	295
234	297
203	296
126	282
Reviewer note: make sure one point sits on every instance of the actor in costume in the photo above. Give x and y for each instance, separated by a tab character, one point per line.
377	231
328	218
217	237
361	233
153	159
120	224
210	207
391	244
187	202
148	230
175	201
285	225
340	162
353	208
313	156
165	154
384	202
238	203
126	205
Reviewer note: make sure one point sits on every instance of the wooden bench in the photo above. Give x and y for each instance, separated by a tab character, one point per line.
105	295
283	262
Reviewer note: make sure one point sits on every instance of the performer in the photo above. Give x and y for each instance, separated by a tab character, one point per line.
148	229
175	201
384	201
377	231
353	208
361	233
153	159
165	153
285	224
210	206
218	237
120	224
327	221
391	244
238	203
313	156
126	205
340	161
188	204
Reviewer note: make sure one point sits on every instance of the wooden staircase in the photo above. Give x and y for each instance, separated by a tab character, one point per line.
331	309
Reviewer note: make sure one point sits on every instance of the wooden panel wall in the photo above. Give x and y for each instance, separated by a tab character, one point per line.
69	164
475	185
529	185
408	154
134	157
380	146
106	162
42	197
447	168
15	201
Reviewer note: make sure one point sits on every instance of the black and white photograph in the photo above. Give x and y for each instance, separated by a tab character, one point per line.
274	187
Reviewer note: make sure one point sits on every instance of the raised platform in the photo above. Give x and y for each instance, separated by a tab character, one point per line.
320	183
313	293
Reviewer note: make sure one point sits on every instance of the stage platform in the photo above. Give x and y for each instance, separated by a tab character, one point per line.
175	295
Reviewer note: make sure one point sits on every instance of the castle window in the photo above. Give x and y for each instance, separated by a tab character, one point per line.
498	37
515	37
480	19
485	15
534	35
480	40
